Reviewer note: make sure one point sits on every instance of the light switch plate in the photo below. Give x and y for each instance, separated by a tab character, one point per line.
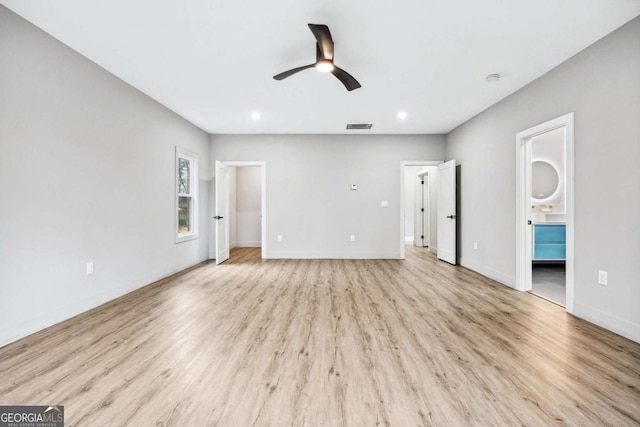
89	268
354	186
602	278
384	204
279	237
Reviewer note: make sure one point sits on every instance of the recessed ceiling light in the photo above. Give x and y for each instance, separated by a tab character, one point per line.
255	116
402	115
492	78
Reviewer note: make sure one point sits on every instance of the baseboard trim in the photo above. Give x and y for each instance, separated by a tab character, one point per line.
608	321
333	255
250	244
491	274
18	331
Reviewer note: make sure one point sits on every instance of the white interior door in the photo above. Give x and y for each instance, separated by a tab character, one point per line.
222	212
426	226
417	213
447	212
528	282
422	211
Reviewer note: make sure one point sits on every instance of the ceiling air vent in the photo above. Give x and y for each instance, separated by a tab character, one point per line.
359	126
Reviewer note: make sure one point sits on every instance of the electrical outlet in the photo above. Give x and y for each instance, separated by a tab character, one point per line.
475	245
279	237
602	278
89	268
353	238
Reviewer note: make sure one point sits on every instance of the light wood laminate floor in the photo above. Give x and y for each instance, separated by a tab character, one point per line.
327	343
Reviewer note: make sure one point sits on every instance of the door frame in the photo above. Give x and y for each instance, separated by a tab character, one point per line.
523	204
263	178
404	163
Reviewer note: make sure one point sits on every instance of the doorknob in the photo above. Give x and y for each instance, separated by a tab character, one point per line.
218	217
451	216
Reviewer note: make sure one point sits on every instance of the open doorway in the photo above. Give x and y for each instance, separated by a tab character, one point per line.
245	201
416	202
419	187
548	215
239	206
544	239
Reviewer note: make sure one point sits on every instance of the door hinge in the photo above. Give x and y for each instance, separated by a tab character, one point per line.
422	182
421	209
422	237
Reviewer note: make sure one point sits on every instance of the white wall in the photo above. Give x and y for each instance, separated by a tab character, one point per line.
309	201
249	207
87	172
602	86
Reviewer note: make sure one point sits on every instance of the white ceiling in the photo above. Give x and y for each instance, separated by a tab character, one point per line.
212	61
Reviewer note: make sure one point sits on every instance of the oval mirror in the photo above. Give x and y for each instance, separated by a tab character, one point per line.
544	179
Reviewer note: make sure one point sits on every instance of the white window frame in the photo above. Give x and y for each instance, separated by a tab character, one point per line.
194	187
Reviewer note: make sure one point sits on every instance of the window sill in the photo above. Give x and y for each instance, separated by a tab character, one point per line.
186	237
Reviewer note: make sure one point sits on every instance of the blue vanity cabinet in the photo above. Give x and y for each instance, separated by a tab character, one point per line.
549	242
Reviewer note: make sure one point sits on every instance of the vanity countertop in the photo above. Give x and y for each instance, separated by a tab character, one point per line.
548	223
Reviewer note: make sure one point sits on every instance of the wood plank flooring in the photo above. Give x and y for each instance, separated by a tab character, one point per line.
327	343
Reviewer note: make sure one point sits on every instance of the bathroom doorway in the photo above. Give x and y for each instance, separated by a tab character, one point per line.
548	215
544	238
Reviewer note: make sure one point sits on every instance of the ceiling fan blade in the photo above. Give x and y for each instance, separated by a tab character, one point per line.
347	79
325	42
292	72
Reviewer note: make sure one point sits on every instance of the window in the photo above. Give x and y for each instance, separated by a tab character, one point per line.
186	195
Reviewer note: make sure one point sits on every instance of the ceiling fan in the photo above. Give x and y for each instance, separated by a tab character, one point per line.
324	59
